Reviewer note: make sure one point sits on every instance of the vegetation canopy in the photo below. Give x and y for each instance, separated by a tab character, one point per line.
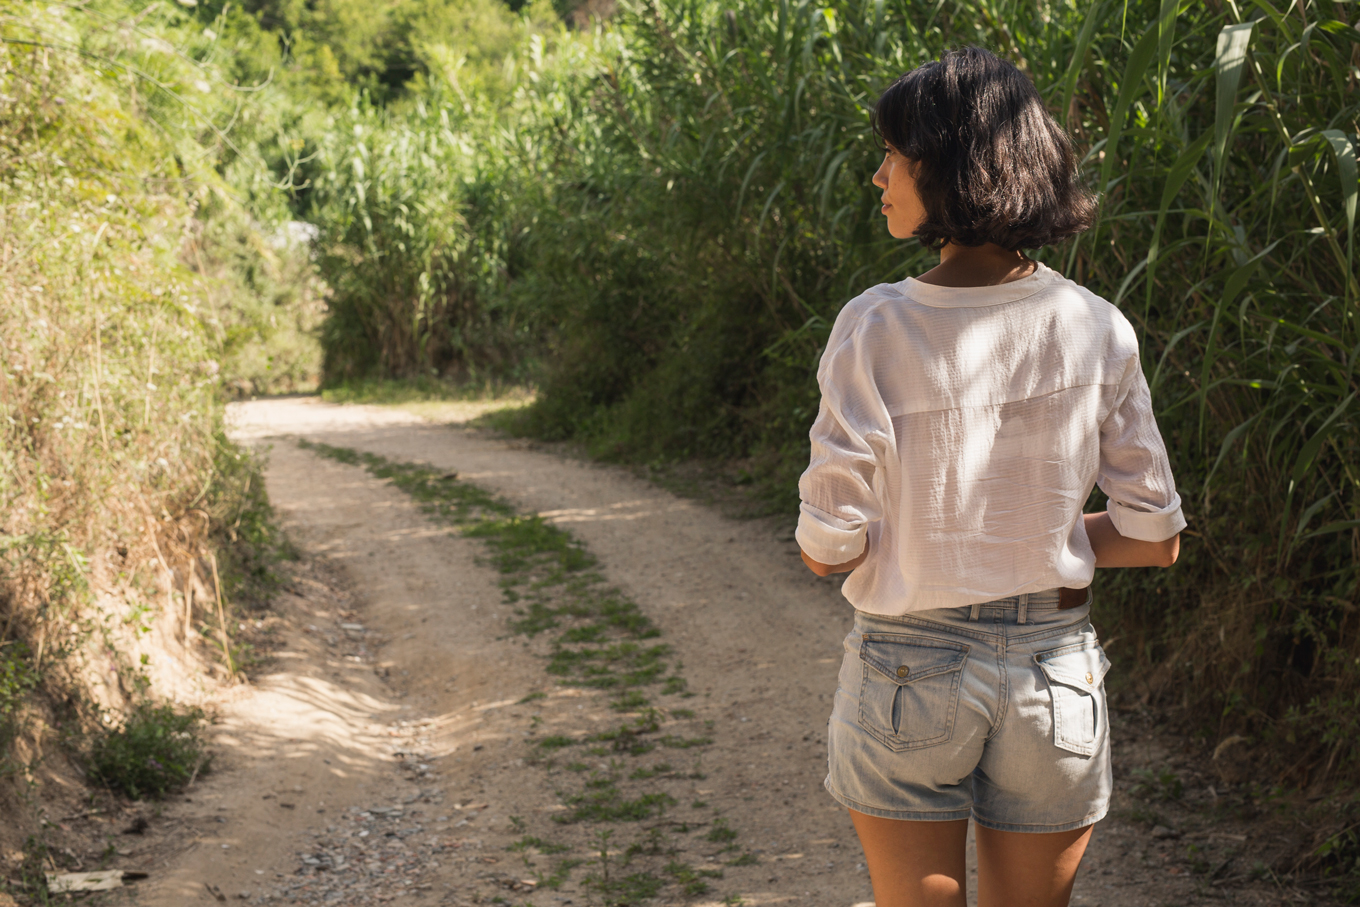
660	219
652	211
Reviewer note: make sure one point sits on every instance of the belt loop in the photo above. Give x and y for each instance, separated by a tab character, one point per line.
976	612
1023	606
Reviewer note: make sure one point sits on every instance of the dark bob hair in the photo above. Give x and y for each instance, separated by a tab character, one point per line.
990	164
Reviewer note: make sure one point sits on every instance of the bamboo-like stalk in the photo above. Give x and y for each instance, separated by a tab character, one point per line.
189	600
221	614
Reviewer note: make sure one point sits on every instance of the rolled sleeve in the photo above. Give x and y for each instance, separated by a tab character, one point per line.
1147	526
829	540
850	435
1135	472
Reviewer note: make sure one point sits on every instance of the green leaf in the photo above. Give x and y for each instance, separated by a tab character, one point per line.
1345	168
1233	41
1175	178
1310	450
1129	88
1088	29
1329	528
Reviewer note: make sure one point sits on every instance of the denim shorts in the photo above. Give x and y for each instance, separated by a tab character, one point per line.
995	711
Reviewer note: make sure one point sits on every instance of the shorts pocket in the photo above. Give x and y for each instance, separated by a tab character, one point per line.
1076	683
910	692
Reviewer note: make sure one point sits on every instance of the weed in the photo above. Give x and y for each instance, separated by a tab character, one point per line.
620	892
544	847
1145	816
561	871
17	678
1338	858
629	701
1194	856
420	389
642	773
688	879
1159	787
607	805
684	743
721	833
676	686
155	750
746	859
629	890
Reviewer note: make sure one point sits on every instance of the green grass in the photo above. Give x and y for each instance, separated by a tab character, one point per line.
394	391
607	804
545	847
721	833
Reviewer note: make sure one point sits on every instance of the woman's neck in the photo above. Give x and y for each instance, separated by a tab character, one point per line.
978	266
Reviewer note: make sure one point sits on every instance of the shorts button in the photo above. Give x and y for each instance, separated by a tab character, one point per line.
1090	678
904	671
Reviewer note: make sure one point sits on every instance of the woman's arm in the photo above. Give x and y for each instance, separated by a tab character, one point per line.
821	569
1115	550
1111	549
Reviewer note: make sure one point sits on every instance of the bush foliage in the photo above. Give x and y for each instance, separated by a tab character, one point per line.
655	217
156	750
136	272
663	220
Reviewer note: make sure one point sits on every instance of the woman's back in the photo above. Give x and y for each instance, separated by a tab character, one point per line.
964	427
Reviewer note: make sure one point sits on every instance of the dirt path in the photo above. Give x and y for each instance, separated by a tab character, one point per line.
389	751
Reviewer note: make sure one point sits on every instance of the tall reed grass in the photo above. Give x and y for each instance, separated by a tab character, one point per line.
1228	169
673	208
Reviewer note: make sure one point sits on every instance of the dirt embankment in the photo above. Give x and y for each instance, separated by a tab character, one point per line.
400	742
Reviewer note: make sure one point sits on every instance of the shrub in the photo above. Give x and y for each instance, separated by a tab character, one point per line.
17	677
675	207
156	750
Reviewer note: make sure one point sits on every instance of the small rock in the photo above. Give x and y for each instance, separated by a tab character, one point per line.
1161	832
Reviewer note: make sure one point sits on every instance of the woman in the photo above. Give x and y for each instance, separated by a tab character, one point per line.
966	415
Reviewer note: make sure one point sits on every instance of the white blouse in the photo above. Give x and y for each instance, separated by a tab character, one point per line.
960	433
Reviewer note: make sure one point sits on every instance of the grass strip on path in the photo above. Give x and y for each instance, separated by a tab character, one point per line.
591	636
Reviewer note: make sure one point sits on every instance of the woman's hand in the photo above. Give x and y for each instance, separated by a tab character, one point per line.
1114	550
821	569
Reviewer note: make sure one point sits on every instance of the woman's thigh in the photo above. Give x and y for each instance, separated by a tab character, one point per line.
914	864
1025	869
922	864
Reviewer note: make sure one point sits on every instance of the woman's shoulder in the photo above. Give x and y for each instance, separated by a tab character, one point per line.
874	297
861	308
859	313
1079	303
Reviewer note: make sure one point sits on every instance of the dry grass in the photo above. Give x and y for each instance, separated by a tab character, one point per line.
119	492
